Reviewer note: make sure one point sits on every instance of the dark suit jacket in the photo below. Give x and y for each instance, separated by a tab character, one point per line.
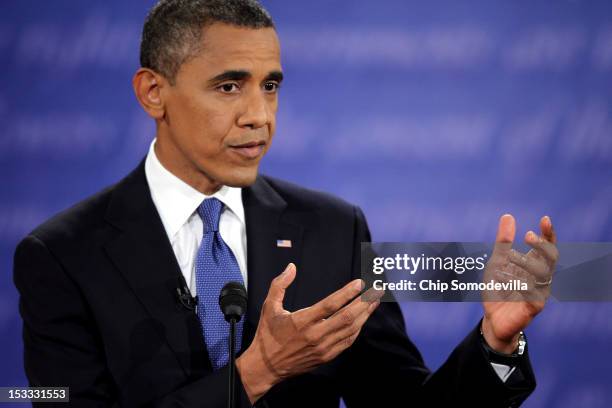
98	300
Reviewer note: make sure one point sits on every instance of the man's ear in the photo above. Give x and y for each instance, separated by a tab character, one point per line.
148	87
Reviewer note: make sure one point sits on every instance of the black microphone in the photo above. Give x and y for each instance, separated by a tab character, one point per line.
184	296
233	302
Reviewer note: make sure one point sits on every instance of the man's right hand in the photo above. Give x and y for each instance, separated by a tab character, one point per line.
287	344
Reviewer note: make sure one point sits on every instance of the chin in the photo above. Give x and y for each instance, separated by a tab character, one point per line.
243	178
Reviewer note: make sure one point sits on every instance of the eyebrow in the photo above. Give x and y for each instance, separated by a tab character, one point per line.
240	75
275	76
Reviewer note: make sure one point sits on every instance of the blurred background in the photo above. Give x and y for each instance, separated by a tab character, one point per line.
435	117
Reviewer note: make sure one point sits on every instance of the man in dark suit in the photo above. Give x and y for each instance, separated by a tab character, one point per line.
102	284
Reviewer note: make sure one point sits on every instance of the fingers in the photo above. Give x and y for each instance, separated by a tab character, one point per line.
535	268
331	304
534	265
506	229
336	341
345	339
543	246
348	321
548	232
348	330
304	345
339	346
279	285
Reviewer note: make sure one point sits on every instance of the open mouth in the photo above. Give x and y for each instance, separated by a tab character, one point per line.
250	150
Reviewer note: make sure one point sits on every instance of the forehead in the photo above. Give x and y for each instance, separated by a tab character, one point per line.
227	47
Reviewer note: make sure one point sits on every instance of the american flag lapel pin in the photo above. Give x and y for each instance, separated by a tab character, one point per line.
283	243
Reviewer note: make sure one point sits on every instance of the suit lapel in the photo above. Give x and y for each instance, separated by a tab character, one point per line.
143	254
265	212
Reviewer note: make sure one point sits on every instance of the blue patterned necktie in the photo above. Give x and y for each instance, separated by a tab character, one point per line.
215	266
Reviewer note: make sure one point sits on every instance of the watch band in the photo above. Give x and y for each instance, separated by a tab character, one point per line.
502	358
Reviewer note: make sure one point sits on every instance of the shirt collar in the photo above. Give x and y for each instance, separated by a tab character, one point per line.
176	200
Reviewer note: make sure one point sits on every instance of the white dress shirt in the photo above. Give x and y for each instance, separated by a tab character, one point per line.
177	202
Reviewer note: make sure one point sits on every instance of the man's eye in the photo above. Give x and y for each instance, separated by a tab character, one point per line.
271	86
229	87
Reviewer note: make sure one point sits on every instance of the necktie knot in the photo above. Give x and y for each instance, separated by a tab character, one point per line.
210	212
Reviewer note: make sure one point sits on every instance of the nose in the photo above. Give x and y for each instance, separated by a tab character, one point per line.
256	112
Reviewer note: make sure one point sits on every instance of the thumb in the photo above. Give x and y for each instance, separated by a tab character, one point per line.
276	293
506	229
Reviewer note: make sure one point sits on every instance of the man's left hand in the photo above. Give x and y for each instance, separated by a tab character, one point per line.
504	319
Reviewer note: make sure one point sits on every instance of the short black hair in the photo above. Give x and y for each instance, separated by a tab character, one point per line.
172	30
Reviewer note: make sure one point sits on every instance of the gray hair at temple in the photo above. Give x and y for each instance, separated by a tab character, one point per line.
173	29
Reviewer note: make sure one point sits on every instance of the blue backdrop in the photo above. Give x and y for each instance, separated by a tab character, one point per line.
436	117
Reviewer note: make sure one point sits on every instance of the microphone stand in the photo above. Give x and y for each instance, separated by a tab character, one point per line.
231	403
233	303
